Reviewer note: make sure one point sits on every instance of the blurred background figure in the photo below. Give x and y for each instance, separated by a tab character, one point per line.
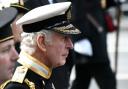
90	47
8	54
17	30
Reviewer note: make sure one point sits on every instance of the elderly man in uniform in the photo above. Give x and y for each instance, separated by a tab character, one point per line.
8	54
45	45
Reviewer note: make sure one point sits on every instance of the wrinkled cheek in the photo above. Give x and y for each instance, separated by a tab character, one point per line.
56	60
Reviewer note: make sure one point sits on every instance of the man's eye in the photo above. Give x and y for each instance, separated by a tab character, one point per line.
6	49
64	38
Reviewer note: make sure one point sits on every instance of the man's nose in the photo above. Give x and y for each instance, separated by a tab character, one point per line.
69	43
14	54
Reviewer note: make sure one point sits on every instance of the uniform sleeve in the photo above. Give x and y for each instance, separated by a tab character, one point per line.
15	85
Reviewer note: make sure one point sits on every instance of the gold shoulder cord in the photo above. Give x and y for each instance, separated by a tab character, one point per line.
30	84
4	84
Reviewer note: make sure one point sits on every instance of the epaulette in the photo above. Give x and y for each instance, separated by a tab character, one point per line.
4	84
19	74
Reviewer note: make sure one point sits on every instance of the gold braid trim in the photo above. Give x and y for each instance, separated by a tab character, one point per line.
4	84
21	2
29	83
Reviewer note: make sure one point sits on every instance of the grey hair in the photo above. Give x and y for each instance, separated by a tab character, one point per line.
28	43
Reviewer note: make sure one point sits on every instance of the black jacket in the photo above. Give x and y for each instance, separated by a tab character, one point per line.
80	10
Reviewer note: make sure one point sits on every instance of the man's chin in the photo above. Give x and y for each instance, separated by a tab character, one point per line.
61	63
10	74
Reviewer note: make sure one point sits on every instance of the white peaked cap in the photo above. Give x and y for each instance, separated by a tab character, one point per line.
44	12
48	16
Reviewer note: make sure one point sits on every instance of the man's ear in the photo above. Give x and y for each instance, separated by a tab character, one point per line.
41	42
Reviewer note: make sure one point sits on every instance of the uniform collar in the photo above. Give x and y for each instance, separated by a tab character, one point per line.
35	65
